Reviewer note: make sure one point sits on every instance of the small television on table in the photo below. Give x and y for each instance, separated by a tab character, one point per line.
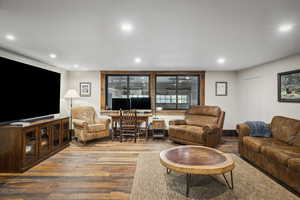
131	103
27	91
140	103
120	103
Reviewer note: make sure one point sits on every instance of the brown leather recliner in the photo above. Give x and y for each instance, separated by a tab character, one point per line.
203	125
278	155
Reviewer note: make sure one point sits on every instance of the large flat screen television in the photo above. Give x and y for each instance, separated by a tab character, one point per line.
27	91
140	103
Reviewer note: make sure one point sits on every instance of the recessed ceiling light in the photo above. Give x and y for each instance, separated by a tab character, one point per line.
10	37
221	60
126	27
75	66
285	28
137	60
52	55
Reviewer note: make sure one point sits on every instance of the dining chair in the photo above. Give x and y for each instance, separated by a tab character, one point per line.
128	124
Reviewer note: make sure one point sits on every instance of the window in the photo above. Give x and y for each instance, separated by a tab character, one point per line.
138	86
176	92
126	87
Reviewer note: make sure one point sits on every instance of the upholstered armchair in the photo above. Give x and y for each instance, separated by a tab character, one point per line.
202	125
87	126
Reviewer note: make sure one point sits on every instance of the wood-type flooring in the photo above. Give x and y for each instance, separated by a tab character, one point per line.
102	169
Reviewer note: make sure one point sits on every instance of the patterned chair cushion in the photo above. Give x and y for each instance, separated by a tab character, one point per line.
96	127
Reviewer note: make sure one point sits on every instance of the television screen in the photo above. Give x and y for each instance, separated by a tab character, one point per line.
27	91
120	103
140	103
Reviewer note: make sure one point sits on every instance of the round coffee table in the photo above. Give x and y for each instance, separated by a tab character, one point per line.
191	159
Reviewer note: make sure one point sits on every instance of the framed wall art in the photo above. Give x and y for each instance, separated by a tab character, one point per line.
221	88
289	86
85	89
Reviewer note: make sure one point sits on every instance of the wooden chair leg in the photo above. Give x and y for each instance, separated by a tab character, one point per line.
147	133
138	134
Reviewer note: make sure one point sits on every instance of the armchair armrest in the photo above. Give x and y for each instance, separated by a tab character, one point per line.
210	129
211	135
177	122
106	122
80	124
242	130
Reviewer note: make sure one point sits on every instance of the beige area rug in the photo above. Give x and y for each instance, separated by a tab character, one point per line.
152	183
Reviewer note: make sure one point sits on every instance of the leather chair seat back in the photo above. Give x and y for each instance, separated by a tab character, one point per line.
202	115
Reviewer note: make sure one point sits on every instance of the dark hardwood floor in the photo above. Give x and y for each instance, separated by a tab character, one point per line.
98	170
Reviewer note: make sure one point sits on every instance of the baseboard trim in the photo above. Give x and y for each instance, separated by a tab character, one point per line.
230	132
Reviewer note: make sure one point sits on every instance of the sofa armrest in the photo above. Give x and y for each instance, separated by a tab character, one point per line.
177	122
243	130
80	124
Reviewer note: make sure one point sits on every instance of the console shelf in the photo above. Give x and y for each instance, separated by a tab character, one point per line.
24	147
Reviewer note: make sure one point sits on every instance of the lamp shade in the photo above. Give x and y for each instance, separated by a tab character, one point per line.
71	93
159	109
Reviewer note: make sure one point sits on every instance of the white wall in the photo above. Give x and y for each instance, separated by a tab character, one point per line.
64	74
252	93
74	79
257	91
226	103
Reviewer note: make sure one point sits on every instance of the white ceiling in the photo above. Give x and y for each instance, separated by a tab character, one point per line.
167	35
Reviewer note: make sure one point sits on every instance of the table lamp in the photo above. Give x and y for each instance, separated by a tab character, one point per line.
157	109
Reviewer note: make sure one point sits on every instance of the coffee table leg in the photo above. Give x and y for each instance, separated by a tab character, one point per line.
231	177
188	180
168	171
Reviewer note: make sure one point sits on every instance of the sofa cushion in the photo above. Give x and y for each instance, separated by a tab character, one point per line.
185	132
213	111
200	120
255	143
294	163
96	127
285	129
281	154
297	140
